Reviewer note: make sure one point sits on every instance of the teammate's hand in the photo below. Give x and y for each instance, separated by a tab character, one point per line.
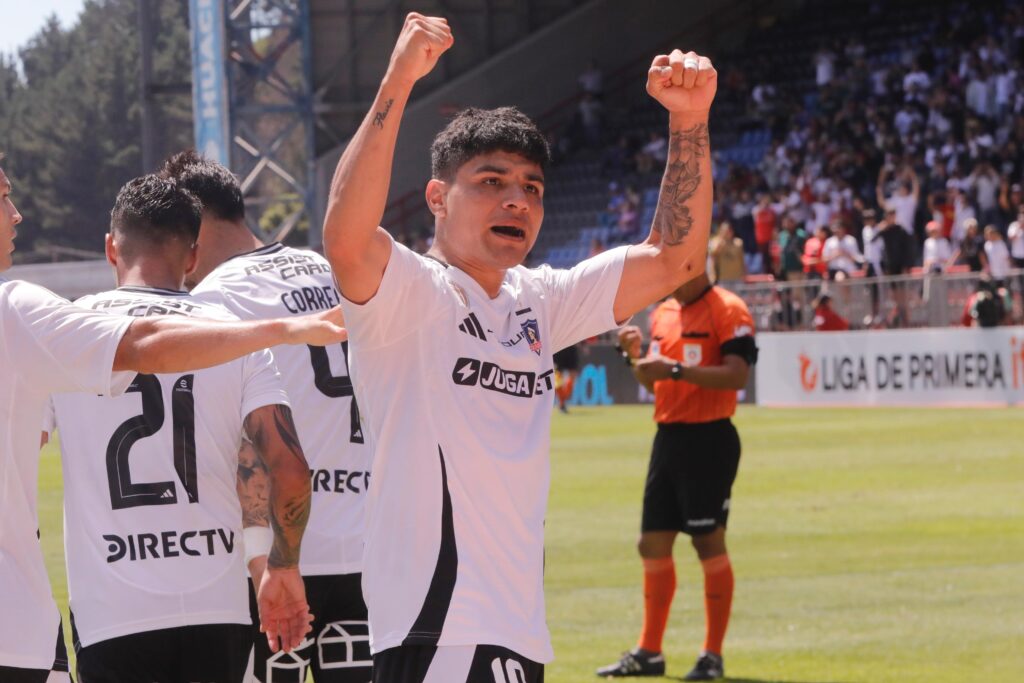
654	368
318	329
422	41
284	612
630	340
683	83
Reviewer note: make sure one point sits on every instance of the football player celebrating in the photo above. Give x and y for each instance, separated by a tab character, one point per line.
156	575
458	394
48	345
256	280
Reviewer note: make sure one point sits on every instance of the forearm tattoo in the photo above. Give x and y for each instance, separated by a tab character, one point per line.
275	441
672	219
378	118
253	484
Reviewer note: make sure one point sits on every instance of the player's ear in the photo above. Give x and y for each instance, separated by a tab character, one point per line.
192	259
437	197
110	249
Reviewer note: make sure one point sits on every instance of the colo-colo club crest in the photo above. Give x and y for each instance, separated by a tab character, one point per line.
531	330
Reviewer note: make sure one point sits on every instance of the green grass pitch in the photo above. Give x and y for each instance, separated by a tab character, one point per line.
869	545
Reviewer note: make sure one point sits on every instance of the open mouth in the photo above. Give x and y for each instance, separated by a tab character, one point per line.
509	231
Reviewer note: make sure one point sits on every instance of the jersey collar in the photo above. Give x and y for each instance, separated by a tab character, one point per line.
271	248
141	289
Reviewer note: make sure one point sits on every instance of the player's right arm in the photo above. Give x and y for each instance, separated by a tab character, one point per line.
356	246
174	344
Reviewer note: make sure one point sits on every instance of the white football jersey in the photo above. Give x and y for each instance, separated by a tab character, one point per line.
457	389
152	521
46	345
276	281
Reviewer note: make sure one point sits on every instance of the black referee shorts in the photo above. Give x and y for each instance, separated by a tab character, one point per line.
690	477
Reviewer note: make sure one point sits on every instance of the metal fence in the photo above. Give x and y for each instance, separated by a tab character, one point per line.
927	300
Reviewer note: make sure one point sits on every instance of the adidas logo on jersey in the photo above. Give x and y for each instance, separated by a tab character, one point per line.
469	372
472	327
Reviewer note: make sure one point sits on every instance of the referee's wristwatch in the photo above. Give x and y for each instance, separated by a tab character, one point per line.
677	371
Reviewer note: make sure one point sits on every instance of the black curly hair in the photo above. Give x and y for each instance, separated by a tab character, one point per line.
214	185
479	131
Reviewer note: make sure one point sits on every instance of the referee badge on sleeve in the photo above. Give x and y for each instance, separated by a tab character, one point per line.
692	354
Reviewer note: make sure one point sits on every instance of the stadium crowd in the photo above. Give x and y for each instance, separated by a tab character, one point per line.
901	152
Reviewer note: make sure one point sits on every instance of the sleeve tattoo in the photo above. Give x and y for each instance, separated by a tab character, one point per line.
672	219
253	484
276	444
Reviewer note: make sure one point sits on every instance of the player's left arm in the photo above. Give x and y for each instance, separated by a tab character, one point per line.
252	482
675	251
284	612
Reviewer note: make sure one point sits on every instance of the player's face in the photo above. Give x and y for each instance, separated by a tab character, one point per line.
493	210
9	218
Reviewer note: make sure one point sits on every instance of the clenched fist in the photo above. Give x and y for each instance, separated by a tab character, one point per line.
683	83
422	41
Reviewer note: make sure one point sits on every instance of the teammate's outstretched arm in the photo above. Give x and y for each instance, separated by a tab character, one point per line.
284	612
676	249
169	344
354	244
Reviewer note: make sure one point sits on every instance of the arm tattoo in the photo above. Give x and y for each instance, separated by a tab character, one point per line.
276	443
253	484
378	118
672	219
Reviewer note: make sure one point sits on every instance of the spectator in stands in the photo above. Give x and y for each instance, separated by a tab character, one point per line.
874	251
988	306
616	198
791	247
743	221
898	247
824	66
904	201
596	247
590	112
963	213
971	251
937	251
615	162
1015	237
591	81
943	212
727	255
841	254
786	310
984	181
825	318
814	265
997	255
764	230
653	154
1011	200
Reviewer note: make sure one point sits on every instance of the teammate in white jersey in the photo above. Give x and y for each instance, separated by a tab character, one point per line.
456	395
256	280
48	345
154	527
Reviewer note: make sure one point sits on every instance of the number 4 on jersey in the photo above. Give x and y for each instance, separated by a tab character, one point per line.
332	386
124	493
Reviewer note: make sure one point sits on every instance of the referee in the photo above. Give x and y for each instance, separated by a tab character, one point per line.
702	347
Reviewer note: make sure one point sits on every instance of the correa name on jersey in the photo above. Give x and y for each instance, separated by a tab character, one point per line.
470	372
290	265
169	544
306	299
340	481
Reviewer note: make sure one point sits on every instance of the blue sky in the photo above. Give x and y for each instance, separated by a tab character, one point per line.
23	18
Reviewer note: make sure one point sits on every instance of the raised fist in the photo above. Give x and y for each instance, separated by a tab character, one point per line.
422	41
683	83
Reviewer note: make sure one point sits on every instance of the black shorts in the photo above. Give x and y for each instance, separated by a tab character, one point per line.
58	671
454	664
567	359
208	653
689	480
337	650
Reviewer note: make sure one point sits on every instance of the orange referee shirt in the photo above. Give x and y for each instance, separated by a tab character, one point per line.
694	335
